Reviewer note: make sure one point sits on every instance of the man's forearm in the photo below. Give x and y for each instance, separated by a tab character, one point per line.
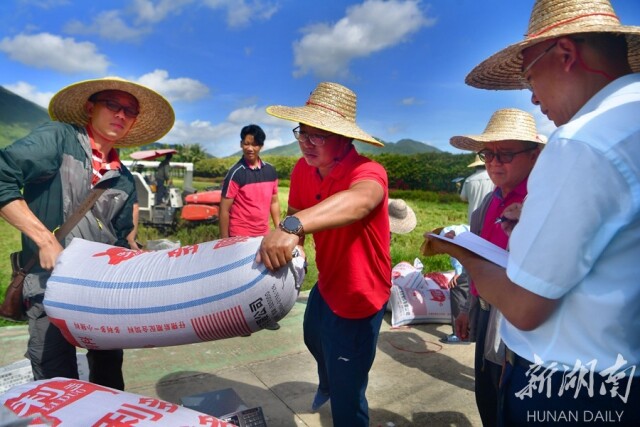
223	223
18	214
342	208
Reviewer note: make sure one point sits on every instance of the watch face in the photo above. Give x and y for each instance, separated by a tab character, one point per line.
292	224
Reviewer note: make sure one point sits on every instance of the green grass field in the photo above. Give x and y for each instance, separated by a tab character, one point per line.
432	210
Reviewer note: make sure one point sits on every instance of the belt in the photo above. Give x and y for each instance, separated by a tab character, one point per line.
483	304
514	360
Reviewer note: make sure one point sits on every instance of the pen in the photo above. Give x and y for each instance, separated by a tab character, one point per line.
504	219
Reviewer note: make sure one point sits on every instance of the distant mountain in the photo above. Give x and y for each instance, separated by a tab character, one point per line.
404	146
18	116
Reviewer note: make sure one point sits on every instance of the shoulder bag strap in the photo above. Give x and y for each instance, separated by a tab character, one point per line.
71	222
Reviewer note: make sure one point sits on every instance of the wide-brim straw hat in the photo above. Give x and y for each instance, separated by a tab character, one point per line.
476	162
156	116
505	125
402	219
552	19
330	107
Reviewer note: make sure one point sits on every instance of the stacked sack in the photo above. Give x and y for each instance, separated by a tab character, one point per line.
419	298
70	402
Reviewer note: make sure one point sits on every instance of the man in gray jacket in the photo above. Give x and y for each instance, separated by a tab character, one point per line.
45	176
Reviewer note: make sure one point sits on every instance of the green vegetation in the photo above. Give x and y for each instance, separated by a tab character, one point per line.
432	209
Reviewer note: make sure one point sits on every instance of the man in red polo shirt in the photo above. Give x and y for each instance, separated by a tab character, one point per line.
341	198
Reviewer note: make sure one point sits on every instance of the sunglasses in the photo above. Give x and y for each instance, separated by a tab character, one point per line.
116	107
487	156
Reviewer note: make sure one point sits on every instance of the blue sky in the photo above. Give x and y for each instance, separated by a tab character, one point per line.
221	62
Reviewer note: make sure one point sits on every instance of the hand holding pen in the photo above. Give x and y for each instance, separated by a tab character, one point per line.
510	217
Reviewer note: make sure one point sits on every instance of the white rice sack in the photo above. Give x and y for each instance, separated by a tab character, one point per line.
106	297
417	299
68	402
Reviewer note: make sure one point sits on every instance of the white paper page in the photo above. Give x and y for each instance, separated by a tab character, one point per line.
479	246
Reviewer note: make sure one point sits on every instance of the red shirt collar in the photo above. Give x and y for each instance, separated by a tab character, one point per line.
101	166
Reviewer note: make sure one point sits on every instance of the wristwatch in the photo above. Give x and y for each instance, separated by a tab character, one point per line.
292	225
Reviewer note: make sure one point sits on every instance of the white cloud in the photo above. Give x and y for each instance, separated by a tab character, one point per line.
410	101
154	12
46	50
240	13
179	89
109	25
370	27
29	92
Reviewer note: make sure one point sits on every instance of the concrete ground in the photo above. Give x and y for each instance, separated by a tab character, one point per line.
415	380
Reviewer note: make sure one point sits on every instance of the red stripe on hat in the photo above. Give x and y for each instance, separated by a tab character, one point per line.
566	21
326	108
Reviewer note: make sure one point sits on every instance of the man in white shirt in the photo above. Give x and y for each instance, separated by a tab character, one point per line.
570	292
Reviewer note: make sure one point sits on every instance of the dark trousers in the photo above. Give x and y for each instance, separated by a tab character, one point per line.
344	350
527	399
487	375
459	296
52	356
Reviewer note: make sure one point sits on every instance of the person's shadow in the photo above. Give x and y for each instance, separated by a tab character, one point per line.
413	351
279	405
283	401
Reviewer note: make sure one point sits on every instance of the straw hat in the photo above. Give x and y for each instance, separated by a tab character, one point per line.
476	162
402	219
156	114
505	124
330	107
552	19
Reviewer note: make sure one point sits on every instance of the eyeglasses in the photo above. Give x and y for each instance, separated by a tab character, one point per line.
310	138
114	106
487	156
538	58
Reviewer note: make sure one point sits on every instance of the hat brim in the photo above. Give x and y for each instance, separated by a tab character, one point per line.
405	225
317	118
503	70
155	120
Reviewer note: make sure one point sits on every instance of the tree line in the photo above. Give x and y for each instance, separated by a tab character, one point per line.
425	171
435	171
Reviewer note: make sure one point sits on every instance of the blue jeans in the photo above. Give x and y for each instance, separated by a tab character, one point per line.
344	350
